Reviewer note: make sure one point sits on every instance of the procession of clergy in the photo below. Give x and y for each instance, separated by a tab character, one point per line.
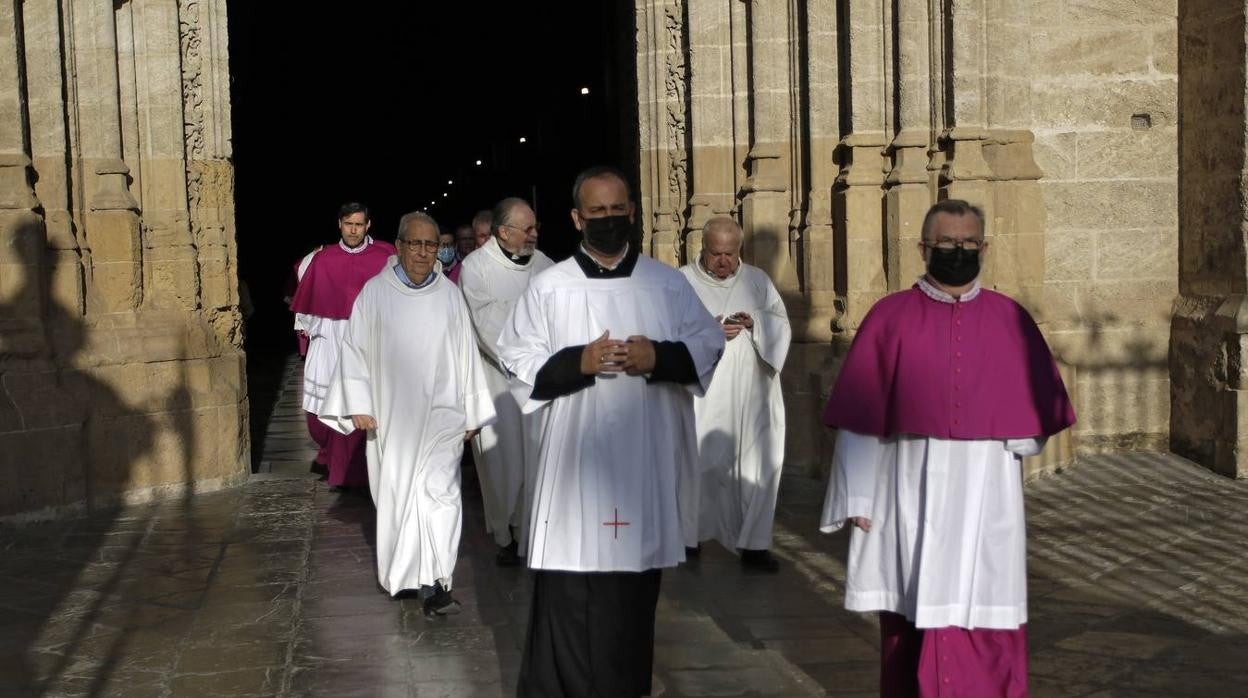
621	412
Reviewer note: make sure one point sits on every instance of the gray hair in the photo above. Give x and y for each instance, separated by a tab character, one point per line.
719	223
483	217
954	207
417	217
502	212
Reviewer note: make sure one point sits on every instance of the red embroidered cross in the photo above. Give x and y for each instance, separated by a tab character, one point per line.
616	523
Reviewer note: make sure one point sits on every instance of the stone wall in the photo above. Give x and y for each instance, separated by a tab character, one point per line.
1104	110
121	373
1209	339
827	128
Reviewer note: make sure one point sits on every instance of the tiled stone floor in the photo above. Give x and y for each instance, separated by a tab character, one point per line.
1138	578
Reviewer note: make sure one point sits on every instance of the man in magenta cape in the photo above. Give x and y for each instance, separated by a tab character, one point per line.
944	390
322	304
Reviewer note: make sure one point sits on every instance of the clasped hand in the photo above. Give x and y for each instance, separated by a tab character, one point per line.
735	324
633	356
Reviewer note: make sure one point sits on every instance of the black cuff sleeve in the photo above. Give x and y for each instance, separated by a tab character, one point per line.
561	375
672	362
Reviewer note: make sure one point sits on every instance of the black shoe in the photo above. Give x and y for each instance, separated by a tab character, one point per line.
441	603
759	561
508	555
694	552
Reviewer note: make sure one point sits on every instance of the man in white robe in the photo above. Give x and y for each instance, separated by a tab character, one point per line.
945	388
741	417
614	345
493	281
410	375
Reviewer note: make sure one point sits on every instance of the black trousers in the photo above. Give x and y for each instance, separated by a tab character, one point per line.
591	635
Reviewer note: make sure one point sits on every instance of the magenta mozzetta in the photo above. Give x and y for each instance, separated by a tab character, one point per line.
977	368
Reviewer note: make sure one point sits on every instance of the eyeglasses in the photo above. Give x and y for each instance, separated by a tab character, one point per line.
948	244
536	227
429	246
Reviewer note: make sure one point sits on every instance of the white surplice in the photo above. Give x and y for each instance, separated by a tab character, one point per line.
948	544
492	283
410	360
614	455
324	337
741	417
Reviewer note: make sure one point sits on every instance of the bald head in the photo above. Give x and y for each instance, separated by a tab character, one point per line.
725	229
721	246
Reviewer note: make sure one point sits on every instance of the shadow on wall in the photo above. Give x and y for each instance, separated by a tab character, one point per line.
70	441
1118	375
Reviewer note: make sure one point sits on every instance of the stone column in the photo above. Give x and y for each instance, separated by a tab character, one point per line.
159	158
209	172
767	203
824	127
741	97
710	117
858	197
22	236
965	174
908	182
1209	330
1016	259
648	175
661	93
15	188
111	220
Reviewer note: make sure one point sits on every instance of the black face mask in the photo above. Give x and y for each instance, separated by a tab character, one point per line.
956	267
607	235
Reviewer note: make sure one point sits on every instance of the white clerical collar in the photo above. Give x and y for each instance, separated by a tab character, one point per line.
495	249
929	289
711	278
356	250
611	267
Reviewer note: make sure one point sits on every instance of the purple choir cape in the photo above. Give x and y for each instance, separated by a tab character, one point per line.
978	369
335	277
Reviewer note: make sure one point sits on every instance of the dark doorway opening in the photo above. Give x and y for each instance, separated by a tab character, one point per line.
394	104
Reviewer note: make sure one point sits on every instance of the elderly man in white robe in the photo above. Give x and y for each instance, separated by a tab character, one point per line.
614	346
492	282
741	417
410	374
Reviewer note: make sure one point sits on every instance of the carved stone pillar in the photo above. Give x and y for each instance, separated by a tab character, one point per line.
858	200
171	272
22	237
824	127
1016	262
111	219
209	172
662	92
710	112
908	182
767	203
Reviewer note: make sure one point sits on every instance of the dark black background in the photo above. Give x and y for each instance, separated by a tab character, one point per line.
383	102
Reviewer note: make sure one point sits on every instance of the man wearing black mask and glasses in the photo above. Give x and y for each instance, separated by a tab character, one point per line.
614	346
947	386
